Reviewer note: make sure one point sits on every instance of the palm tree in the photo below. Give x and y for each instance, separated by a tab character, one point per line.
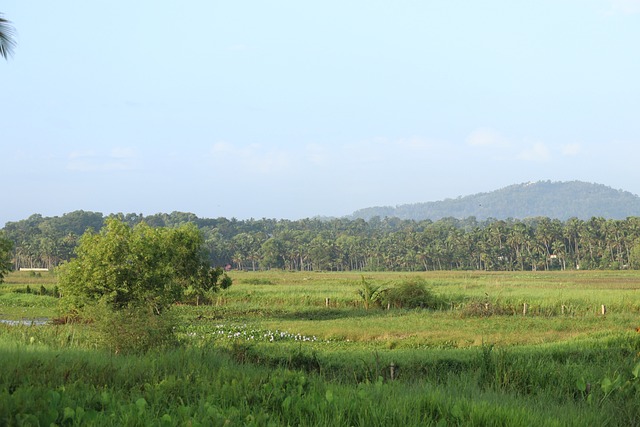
7	40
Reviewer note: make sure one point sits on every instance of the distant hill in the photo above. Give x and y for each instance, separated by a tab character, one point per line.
558	200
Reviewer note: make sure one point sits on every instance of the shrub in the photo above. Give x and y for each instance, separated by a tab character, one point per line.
411	293
141	266
125	279
133	330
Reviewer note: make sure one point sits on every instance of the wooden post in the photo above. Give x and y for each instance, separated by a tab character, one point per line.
392	371
524	309
604	309
327	301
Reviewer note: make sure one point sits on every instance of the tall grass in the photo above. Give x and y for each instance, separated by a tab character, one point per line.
204	386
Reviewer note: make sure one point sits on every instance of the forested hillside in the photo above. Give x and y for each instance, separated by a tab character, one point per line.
558	200
343	244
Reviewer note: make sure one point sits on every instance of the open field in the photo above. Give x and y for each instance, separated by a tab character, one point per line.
272	350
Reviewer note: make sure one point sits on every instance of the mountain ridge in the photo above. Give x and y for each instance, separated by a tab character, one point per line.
559	200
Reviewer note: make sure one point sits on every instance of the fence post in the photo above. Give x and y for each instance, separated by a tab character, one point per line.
392	371
327	301
525	307
604	309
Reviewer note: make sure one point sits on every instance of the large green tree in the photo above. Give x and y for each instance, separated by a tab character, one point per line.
7	38
123	267
6	246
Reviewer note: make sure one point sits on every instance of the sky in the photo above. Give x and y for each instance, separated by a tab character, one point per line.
291	109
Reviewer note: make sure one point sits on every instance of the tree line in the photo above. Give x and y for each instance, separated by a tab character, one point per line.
379	244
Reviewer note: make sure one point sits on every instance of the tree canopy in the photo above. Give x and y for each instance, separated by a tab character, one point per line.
6	246
539	243
138	267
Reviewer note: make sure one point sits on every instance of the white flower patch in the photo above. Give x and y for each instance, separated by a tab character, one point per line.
244	333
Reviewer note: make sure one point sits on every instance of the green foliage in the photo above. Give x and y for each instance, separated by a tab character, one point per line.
133	330
124	279
370	293
381	244
410	293
143	267
201	288
620	386
6	247
634	256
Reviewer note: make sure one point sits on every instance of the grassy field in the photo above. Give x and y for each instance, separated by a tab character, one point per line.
284	348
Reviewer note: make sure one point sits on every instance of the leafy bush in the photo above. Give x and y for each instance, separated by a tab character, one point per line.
125	279
411	293
142	266
133	330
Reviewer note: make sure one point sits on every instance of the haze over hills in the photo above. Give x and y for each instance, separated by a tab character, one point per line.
558	200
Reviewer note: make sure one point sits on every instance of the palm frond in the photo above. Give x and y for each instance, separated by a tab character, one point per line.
7	38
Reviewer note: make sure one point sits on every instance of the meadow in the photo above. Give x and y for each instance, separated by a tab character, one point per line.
300	348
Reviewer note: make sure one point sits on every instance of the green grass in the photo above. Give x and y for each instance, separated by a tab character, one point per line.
270	351
209	386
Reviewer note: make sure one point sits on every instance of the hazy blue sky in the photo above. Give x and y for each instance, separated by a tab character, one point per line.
291	109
